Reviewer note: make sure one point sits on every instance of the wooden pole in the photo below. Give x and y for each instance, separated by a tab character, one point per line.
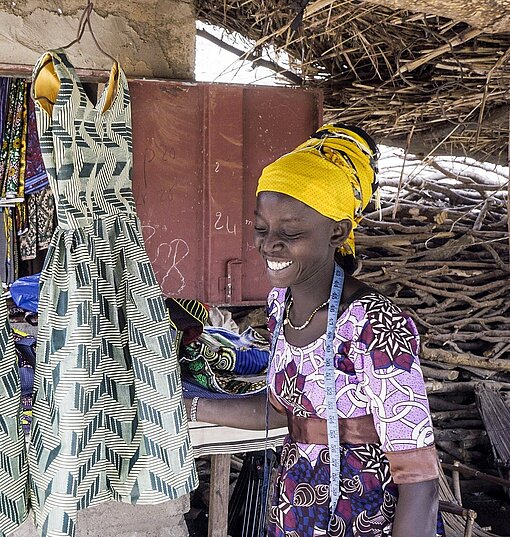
441	355
219	496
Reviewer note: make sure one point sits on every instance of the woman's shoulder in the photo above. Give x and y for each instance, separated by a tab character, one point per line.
275	306
372	302
379	308
387	333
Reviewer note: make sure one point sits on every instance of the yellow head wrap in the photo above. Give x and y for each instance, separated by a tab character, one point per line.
333	172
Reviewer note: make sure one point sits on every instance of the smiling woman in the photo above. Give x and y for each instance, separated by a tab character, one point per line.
295	240
344	371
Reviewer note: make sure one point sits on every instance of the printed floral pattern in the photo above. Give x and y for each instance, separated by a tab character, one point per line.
377	372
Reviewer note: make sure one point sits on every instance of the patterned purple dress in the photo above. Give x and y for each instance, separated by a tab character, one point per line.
378	373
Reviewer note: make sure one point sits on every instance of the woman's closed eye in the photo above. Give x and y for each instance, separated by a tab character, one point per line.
291	235
282	235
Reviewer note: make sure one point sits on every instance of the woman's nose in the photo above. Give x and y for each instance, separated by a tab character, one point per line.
271	243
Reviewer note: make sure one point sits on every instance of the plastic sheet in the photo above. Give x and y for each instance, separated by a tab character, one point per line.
25	292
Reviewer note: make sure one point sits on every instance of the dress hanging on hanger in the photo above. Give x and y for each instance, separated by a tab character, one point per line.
108	416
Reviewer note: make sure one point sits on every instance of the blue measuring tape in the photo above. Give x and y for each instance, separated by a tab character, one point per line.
330	389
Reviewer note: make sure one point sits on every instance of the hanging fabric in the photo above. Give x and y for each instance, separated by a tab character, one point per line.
36	178
26	203
41	213
40	205
12	173
14	140
103	325
4	91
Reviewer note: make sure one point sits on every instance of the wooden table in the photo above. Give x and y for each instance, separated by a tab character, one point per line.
220	442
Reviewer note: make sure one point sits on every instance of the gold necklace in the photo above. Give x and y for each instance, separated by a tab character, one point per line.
307	322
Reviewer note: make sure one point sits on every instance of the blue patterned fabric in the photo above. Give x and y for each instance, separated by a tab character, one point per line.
251	350
191	389
368	495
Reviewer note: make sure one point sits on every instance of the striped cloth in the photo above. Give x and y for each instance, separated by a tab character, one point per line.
108	418
13	457
211	439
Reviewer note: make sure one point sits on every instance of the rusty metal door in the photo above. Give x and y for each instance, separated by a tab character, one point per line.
198	153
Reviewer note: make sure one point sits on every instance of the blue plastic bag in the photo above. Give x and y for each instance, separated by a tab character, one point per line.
25	292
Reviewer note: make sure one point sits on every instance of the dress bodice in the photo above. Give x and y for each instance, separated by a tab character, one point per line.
377	371
86	147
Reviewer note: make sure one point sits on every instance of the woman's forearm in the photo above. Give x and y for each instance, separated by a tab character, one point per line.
246	413
416	511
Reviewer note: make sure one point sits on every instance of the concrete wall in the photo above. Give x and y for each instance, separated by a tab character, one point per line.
113	519
150	38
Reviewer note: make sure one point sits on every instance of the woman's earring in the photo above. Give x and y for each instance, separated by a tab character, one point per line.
345	249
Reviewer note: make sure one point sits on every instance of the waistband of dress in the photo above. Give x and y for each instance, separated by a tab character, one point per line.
73	222
360	430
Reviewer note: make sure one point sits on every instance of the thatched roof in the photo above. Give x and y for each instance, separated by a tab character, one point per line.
408	78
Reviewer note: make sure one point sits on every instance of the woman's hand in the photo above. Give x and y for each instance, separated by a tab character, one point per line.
187	406
416	511
246	413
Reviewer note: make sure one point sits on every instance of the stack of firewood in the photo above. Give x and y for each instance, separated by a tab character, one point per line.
439	248
441	251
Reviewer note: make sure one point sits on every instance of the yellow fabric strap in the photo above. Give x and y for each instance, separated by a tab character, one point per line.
332	174
46	84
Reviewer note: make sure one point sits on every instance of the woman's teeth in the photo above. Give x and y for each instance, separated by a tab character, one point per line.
278	265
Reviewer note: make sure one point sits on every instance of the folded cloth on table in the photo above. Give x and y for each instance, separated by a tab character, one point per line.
251	349
191	389
189	318
222	361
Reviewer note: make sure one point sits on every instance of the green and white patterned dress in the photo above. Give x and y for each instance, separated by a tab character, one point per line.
108	417
13	455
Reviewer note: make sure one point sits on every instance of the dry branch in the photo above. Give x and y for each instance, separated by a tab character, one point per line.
388	71
441	253
444	258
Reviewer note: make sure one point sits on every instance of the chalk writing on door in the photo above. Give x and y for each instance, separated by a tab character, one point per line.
222	222
167	259
150	154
